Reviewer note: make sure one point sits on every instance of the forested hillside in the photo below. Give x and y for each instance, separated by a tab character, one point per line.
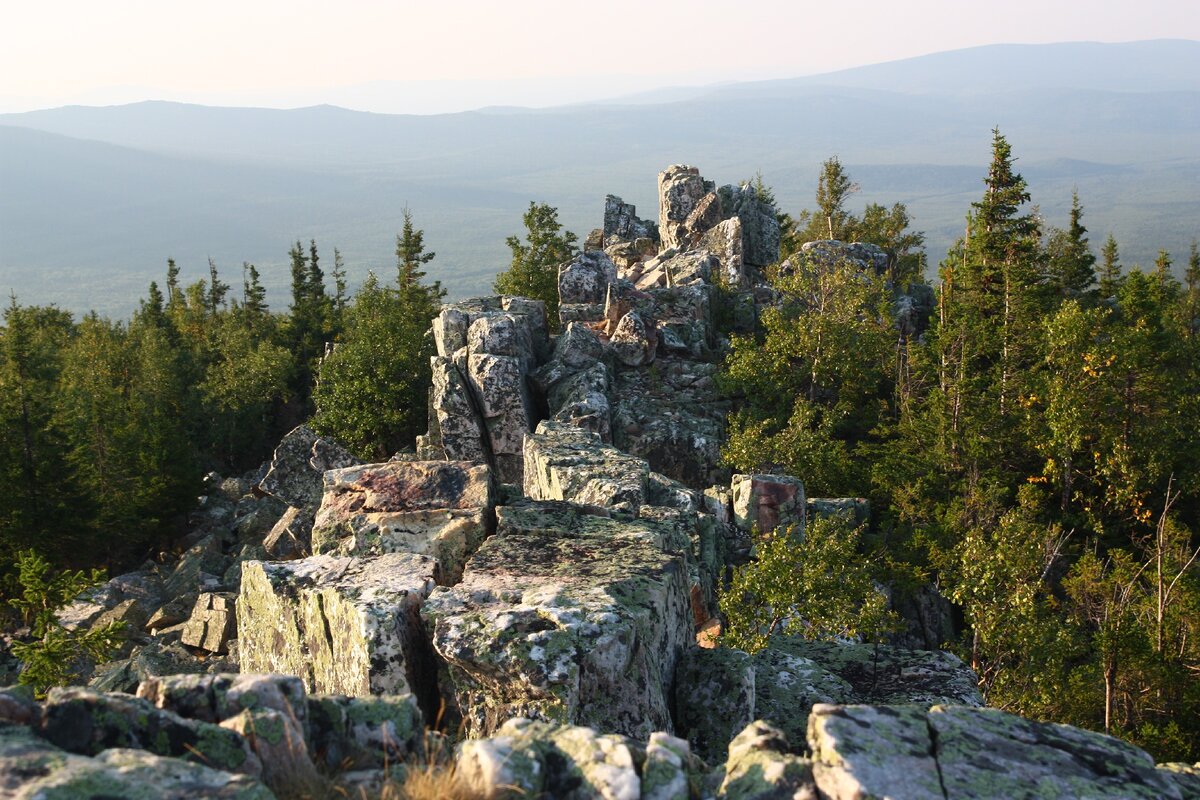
1025	432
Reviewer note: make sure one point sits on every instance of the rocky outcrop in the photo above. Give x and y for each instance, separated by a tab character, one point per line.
298	464
581	625
344	625
680	190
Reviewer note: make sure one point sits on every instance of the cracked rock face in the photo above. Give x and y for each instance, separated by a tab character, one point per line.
566	463
767	501
344	625
436	508
680	190
297	465
573	626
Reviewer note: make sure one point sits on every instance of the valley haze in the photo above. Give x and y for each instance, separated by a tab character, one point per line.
96	199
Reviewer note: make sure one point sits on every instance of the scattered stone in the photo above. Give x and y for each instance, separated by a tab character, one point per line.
212	624
761	766
291	535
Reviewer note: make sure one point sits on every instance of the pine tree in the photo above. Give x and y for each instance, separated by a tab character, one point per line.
1110	268
217	289
410	253
833	188
534	269
254	296
1072	265
174	292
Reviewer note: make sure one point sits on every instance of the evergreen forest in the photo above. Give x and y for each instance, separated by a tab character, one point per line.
1034	453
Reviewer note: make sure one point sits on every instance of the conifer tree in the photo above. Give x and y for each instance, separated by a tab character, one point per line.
535	262
1110	268
1072	265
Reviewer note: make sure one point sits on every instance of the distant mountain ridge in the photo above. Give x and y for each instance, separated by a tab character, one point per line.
242	183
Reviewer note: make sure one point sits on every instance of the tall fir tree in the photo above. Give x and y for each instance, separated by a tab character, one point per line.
1110	268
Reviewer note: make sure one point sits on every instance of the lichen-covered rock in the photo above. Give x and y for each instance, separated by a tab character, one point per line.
502	393
33	769
634	343
456	431
855	510
829	253
216	698
535	759
297	465
786	687
680	189
158	656
725	241
578	346
278	741
622	224
767	501
985	752
714	699
873	751
574	626
761	766
344	625
364	732
586	278
212	624
88	722
881	674
563	462
759	223
669	771
436	508
580	398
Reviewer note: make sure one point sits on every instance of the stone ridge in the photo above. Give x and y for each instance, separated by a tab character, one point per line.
541	580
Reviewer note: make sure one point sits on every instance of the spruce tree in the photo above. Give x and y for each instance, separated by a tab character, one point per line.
1110	268
533	272
1072	265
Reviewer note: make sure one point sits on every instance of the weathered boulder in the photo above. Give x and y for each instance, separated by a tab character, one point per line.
88	722
218	698
880	674
456	430
622	224
767	501
537	759
714	699
705	215
759	223
278	741
343	625
578	346
567	463
579	398
33	769
680	189
297	465
725	241
364	732
576	626
586	278
787	686
873	751
441	509
855	510
159	656
829	253
212	624
634	343
761	766
913	310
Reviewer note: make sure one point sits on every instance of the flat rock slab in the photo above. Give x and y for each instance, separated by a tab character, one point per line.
879	674
437	508
573	627
344	625
563	462
984	752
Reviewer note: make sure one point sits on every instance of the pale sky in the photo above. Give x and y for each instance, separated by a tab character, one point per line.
532	52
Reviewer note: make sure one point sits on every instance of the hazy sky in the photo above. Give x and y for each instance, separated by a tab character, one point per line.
295	52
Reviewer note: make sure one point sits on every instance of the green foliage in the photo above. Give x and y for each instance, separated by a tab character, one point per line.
533	272
812	582
52	653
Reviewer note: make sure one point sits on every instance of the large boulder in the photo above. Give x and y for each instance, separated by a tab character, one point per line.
298	464
767	501
344	625
441	509
212	624
759	223
622	224
586	278
578	625
680	189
